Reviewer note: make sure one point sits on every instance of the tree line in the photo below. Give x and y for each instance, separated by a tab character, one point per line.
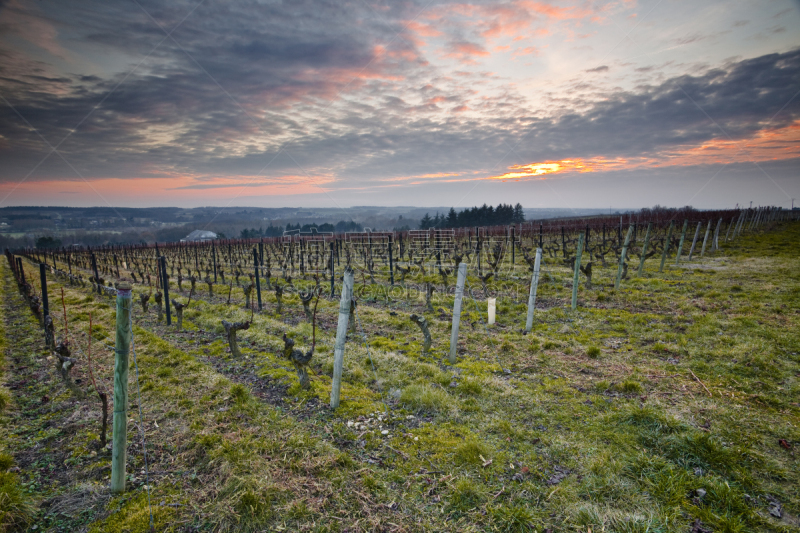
342	226
484	215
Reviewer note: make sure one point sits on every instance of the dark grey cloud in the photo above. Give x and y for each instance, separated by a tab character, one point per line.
334	87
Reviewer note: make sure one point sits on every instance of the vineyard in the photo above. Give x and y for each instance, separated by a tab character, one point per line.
601	374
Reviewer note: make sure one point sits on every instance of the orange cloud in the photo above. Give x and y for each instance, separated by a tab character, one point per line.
465	52
423	30
118	191
526	51
556	13
767	145
534	170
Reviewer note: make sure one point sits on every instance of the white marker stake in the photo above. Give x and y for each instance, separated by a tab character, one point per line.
492	308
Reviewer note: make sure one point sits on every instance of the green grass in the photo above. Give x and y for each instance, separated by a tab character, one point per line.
609	417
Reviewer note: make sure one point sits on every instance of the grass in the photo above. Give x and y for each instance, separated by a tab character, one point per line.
611	417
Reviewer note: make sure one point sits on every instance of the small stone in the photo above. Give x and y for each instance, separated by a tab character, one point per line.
416	438
349	423
698	471
385	432
701	493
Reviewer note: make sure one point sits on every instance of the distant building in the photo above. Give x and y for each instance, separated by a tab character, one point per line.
199	235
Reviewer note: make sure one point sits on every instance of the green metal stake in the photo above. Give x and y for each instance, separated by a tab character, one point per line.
666	247
576	277
622	256
120	423
680	245
644	248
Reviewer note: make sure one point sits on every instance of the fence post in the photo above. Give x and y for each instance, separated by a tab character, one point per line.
333	268
694	241
576	277
740	223
622	256
258	281
341	336
391	262
534	286
120	421
43	280
214	258
45	304
680	245
715	241
96	275
728	233
705	239
666	246
644	248
462	276
165	285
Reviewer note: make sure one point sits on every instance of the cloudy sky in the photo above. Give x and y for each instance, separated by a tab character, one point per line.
401	102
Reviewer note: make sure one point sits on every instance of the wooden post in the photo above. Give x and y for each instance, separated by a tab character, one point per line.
728	233
740	223
534	285
214	258
391	262
694	241
120	422
541	235
644	248
43	281
576	276
705	239
341	336
666	246
683	237
258	281
622	256
513	255
478	250
333	269
165	285
462	276
96	275
715	242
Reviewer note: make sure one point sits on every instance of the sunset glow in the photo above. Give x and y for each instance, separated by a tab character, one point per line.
196	104
534	170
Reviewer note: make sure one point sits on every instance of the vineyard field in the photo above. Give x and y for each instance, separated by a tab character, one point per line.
666	399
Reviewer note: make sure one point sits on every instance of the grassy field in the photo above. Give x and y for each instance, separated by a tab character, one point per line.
668	405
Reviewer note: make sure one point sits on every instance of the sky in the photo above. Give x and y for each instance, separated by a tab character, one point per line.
621	104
